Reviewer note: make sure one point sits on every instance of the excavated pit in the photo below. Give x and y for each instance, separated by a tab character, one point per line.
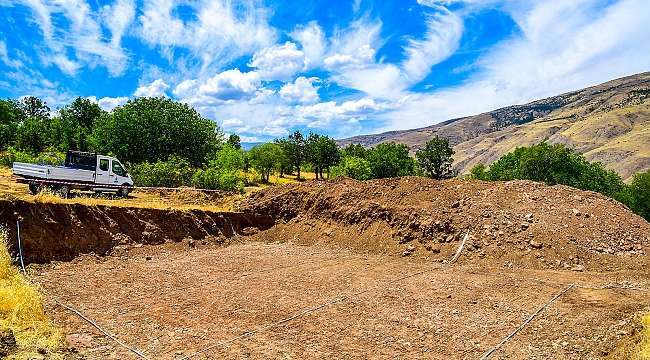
61	232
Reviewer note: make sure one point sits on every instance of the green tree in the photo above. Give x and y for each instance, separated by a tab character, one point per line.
152	129
33	108
389	160
639	192
555	164
478	173
435	159
31	136
354	150
235	141
354	167
73	125
294	147
265	158
328	154
311	151
8	123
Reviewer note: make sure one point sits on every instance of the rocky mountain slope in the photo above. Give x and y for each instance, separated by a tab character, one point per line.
609	123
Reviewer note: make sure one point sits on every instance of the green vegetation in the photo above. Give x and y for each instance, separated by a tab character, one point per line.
556	164
434	161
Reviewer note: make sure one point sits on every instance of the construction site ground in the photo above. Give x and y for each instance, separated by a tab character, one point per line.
354	270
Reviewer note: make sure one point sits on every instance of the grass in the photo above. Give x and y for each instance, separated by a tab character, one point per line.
22	310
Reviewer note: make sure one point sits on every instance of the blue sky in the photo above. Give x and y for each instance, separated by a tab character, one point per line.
262	69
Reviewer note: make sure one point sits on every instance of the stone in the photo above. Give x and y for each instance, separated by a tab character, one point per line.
578	268
577	212
524	226
535	244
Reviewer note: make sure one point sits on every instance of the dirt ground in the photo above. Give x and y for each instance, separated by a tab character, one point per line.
183	300
360	270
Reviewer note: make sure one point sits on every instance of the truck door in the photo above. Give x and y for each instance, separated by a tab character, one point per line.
117	173
103	171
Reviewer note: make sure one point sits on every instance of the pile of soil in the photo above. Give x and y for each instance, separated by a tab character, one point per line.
517	223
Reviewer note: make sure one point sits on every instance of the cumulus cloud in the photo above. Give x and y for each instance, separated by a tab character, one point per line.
231	123
363	57
109	103
155	89
279	62
231	85
324	114
302	90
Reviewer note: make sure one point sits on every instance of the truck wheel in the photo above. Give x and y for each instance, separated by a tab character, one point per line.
124	192
64	191
33	189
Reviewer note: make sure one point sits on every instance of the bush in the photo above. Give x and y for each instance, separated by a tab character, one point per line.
354	167
11	155
218	179
175	172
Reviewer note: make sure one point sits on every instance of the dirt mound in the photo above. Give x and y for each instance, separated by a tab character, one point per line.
517	223
61	231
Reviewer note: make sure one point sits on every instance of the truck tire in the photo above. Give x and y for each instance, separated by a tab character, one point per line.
124	191
64	191
34	189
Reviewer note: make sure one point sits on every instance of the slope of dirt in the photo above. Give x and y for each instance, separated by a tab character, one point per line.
61	231
519	223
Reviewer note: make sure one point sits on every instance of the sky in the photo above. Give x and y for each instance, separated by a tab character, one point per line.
263	69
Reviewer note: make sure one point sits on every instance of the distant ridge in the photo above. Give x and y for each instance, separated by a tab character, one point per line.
609	123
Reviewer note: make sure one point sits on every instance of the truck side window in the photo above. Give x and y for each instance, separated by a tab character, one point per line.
103	164
117	169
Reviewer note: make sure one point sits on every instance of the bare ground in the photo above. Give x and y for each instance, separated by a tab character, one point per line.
365	266
182	301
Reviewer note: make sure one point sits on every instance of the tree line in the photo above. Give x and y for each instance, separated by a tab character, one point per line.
167	143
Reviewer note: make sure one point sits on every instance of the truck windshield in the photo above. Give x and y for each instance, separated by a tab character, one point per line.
118	169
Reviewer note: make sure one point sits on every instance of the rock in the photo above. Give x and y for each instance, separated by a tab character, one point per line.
191	244
450	238
524	226
535	244
577	212
455	205
578	268
7	342
410	248
529	217
148	258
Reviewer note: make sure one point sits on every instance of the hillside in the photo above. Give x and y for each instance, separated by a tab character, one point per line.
609	123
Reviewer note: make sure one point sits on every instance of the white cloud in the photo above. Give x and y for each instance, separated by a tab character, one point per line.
232	123
564	46
222	30
363	57
444	30
109	103
231	85
312	40
117	18
155	89
324	114
83	36
279	62
185	89
302	90
4	57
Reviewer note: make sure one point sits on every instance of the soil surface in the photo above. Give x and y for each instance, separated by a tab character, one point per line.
348	269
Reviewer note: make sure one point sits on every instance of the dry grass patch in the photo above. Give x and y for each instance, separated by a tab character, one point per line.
22	311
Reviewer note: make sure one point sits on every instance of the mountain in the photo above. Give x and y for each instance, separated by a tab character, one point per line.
609	123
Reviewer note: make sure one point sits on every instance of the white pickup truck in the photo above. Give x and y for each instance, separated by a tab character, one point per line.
82	171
